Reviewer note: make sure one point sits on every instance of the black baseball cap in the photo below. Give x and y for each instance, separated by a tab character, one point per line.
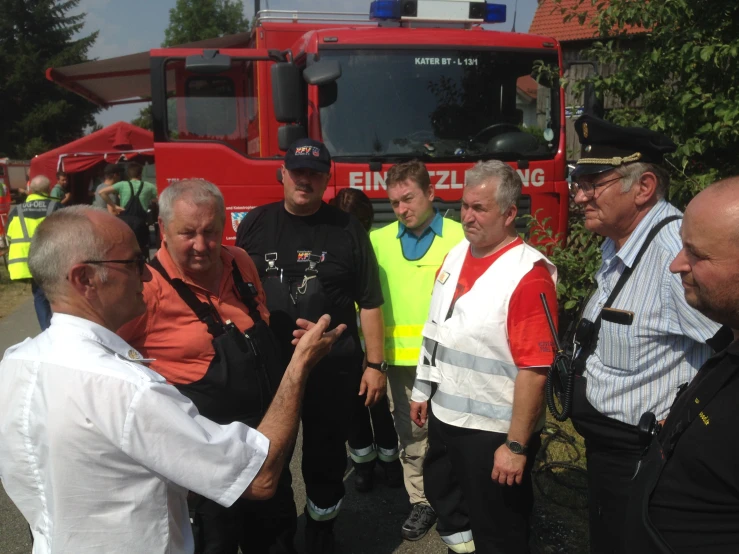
308	154
606	146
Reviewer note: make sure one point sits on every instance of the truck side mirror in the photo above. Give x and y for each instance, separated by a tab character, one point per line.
286	89
322	73
208	63
287	134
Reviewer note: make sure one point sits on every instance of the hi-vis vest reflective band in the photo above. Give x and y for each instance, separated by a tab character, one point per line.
468	354
24	219
406	287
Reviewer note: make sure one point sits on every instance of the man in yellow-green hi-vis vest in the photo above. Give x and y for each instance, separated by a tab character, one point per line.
409	252
22	222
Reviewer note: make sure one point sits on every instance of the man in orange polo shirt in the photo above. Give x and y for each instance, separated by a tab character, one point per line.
206	329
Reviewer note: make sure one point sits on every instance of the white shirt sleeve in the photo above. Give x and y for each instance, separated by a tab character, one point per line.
164	432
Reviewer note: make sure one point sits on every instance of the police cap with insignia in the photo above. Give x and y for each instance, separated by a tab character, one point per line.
606	146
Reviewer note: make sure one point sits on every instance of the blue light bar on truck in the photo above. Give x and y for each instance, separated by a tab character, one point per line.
495	13
385	9
468	11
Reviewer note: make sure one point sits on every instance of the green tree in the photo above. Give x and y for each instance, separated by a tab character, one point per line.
192	20
35	114
679	76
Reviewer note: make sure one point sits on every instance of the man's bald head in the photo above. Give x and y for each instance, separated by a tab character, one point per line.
707	262
68	237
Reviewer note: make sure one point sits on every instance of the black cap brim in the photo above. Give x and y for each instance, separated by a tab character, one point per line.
315	165
590	169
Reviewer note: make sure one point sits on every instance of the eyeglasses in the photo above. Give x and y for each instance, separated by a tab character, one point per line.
588	189
139	260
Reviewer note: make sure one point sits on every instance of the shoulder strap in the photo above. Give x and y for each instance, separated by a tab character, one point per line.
247	292
205	312
586	352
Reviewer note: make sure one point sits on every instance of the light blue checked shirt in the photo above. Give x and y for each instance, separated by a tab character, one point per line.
638	368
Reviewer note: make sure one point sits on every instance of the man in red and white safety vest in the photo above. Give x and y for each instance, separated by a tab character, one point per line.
483	364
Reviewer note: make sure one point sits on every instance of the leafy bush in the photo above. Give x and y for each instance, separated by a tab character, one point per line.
577	259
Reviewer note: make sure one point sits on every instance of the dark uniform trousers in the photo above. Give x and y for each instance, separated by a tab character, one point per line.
373	426
457	477
328	405
613	450
255	526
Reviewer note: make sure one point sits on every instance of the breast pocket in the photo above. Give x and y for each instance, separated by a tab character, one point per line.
618	346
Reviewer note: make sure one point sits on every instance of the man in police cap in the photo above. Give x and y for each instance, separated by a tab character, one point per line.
638	339
686	493
314	257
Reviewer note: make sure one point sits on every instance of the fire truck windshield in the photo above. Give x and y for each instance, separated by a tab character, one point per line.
440	104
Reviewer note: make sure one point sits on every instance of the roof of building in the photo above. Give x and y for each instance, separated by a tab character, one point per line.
549	21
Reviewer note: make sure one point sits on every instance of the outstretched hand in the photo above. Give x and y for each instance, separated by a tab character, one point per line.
312	342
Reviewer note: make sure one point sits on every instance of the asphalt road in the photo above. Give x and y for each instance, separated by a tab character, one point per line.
369	523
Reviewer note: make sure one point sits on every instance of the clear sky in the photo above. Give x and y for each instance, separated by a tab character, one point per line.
130	26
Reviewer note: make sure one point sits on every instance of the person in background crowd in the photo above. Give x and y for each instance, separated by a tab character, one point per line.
206	331
643	339
96	450
315	258
685	496
23	221
127	189
61	192
409	252
483	365
372	434
112	174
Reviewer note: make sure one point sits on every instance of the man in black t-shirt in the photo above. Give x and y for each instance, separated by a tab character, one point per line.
314	259
687	485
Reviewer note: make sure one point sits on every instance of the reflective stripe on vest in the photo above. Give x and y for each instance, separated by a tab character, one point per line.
406	287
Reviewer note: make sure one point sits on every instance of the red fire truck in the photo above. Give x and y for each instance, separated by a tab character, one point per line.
416	79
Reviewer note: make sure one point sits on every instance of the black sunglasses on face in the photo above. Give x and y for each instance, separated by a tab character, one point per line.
139	260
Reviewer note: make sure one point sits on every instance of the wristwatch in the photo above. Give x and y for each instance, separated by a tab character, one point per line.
382	366
516	447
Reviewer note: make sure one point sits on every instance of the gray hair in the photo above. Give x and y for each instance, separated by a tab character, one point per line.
40	185
198	191
509	185
631	173
65	238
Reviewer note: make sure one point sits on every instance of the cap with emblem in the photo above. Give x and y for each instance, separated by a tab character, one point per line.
308	154
606	146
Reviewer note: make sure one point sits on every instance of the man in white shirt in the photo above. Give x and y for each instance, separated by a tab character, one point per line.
98	451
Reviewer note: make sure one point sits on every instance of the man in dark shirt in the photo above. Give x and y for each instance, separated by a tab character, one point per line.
314	258
691	502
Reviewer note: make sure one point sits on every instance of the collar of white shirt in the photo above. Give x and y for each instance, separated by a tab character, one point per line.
628	252
92	331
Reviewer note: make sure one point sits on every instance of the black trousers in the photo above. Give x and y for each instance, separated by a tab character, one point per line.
263	526
613	450
372	426
328	406
458	483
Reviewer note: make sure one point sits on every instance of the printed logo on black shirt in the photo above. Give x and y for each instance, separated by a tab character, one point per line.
304	256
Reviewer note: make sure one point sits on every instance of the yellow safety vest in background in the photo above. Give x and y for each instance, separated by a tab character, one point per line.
24	218
407	286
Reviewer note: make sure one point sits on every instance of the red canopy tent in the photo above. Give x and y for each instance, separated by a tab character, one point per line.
105	145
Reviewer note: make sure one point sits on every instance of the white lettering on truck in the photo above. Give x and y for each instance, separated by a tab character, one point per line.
441	179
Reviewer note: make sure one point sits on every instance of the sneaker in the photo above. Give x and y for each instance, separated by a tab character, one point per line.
393	474
419	522
364	479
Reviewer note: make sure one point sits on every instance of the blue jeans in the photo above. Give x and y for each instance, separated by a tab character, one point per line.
43	309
